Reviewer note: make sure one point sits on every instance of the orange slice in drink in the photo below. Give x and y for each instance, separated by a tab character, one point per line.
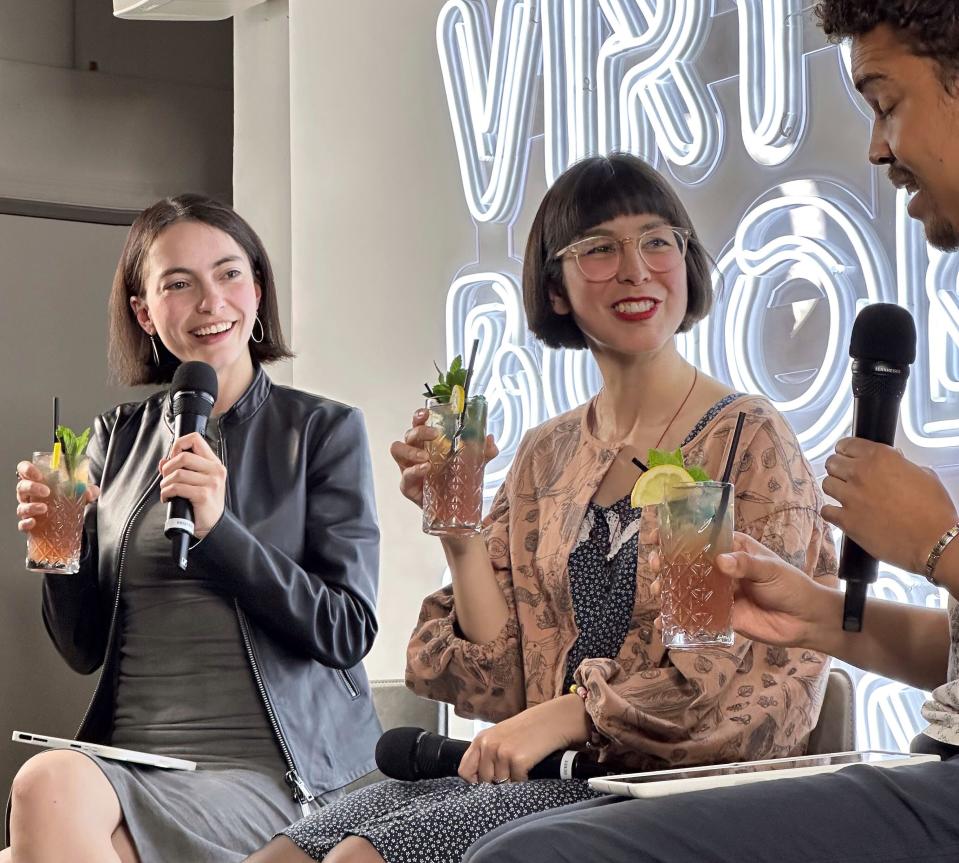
652	486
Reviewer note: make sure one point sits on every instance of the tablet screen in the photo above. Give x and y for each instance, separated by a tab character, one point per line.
842	758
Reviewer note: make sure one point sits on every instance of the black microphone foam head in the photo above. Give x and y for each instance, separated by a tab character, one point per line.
396	753
884	332
195	377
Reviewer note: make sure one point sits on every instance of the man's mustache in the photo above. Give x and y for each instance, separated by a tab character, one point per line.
902	178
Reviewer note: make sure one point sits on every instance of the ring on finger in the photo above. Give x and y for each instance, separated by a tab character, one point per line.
500	781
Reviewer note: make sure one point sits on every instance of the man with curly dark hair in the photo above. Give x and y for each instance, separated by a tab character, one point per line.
905	63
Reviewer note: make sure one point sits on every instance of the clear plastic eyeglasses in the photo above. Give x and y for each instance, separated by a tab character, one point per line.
599	258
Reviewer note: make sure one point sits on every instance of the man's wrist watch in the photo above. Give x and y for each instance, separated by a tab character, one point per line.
933	560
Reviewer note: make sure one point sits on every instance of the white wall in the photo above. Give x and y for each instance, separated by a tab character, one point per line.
41	32
197	53
108	141
378	226
120	137
261	148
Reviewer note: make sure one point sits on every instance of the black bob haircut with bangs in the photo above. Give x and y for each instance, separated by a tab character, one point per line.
593	191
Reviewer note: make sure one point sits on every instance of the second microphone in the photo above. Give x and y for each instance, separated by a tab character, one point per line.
412	753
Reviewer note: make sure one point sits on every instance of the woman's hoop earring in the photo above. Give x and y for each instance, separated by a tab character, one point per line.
257	321
156	353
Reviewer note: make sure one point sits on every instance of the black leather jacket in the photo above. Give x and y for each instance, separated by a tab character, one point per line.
297	550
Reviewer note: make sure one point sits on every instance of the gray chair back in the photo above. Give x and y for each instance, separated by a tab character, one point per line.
836	729
397	707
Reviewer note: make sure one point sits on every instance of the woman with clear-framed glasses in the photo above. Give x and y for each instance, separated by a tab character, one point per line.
549	629
599	258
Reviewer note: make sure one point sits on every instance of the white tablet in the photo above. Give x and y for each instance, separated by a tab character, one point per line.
114	753
660	783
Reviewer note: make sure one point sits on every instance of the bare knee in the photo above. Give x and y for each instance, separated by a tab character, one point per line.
44	779
279	850
62	785
354	849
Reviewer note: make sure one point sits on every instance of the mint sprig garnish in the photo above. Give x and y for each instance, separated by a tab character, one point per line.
73	446
659	457
443	388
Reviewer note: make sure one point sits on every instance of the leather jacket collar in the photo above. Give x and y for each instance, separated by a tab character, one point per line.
245	407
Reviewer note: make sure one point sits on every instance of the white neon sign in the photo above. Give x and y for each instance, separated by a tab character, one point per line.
818	234
649	90
489	77
772	92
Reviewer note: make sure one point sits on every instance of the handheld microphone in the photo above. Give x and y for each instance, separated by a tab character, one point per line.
882	347
193	394
412	753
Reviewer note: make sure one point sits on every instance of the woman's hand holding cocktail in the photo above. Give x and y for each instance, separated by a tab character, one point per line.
414	462
31	491
193	471
481	609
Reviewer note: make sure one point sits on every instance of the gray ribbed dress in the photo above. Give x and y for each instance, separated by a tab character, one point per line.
185	689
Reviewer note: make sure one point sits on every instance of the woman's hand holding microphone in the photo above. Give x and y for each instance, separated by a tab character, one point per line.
193	472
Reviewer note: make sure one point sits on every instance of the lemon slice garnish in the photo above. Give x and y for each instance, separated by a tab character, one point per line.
55	458
651	487
457	399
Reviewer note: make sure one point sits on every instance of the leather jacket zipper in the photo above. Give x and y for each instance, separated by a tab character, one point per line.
116	598
348	682
300	790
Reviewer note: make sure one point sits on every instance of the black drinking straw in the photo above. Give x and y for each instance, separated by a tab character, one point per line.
731	458
640	465
727	473
56	417
469	372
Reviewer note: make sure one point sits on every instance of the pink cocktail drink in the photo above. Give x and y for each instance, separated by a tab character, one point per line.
453	488
696	524
53	545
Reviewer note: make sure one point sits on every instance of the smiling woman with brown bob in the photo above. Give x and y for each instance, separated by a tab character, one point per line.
248	661
548	629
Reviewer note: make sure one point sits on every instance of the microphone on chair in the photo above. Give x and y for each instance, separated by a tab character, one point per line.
193	394
412	753
882	347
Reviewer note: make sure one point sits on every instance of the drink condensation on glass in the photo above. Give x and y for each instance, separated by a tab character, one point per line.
453	488
696	524
54	543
